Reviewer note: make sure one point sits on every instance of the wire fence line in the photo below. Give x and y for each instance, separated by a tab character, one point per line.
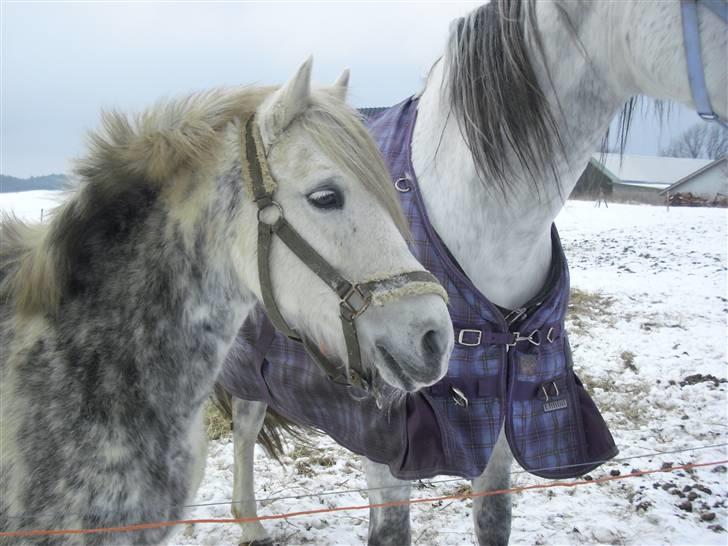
287	515
423	483
432	483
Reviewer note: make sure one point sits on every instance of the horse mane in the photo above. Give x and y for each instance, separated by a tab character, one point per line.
128	162
496	98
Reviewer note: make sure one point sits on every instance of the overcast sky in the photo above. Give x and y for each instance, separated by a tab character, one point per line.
63	62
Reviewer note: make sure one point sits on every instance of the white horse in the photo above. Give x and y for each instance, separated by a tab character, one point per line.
116	317
508	119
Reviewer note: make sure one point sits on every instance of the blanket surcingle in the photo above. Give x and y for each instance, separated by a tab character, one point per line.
511	370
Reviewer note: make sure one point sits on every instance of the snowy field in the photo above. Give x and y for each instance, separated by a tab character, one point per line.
649	336
30	205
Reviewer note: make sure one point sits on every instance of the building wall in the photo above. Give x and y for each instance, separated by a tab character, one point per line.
591	181
633	194
708	183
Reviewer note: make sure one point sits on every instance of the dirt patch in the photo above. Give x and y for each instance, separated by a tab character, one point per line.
700	378
628	360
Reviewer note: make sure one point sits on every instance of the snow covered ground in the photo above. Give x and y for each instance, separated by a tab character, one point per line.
649	336
30	205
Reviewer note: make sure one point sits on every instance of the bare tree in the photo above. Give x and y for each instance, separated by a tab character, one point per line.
703	140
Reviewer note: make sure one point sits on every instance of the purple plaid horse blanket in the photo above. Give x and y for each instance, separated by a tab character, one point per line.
507	369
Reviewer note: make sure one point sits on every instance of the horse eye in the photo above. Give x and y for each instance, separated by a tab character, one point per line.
326	199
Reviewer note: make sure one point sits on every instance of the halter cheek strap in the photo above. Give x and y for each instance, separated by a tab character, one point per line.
354	299
691	38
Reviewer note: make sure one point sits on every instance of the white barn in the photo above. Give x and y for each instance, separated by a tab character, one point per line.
640	178
707	182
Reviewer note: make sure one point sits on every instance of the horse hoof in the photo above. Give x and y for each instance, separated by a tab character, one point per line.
264	542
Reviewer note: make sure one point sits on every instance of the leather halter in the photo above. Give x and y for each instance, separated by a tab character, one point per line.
355	298
691	36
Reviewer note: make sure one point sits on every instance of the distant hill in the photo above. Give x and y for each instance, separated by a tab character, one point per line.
10	184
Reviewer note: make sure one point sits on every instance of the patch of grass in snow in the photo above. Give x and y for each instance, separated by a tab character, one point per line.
216	424
586	307
309	454
463	489
304	469
620	399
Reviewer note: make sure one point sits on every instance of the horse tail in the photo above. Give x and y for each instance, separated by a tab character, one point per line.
223	401
274	426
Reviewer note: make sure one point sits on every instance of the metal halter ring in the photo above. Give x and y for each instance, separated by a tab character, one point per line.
267	207
402	188
351	307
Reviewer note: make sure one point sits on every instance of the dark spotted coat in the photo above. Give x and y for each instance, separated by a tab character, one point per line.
106	397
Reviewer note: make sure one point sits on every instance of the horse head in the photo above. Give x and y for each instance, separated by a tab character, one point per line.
339	274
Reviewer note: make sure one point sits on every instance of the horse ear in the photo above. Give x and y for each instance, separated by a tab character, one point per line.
341	85
285	104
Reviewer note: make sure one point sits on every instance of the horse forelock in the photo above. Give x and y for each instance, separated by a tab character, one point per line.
339	132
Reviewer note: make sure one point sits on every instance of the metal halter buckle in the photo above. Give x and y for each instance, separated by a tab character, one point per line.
517	338
710	116
546	392
465	331
355	302
459	397
355	379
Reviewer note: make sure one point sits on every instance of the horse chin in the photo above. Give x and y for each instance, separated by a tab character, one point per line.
386	396
401	374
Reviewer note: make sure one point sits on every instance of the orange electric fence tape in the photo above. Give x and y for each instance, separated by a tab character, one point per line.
156	525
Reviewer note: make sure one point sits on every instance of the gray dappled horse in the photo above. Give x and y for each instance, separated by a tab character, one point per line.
116	316
510	114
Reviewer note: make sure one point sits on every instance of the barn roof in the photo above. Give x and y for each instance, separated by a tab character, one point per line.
648	171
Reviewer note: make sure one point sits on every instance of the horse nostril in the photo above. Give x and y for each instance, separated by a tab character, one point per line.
432	343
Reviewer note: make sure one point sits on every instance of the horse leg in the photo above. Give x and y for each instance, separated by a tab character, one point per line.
247	421
387	526
492	515
198	441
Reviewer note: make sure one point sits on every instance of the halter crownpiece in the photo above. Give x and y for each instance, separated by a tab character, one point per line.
691	38
355	298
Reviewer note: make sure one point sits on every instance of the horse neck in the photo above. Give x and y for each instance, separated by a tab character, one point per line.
165	307
503	243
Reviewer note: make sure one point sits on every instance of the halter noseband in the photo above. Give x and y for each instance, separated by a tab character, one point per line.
691	36
354	298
